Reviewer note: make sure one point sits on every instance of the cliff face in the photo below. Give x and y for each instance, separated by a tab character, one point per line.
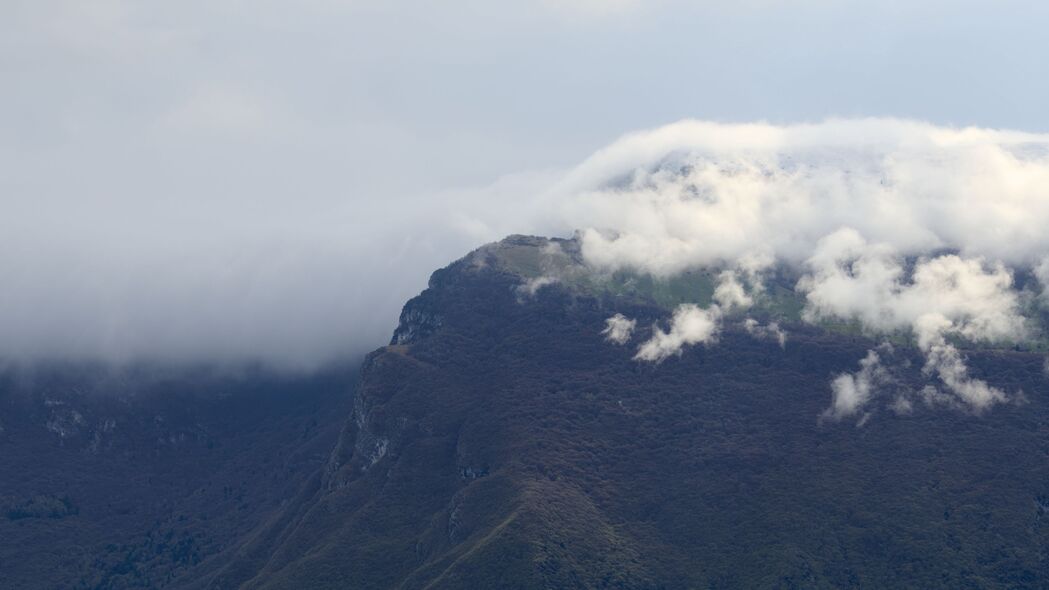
500	441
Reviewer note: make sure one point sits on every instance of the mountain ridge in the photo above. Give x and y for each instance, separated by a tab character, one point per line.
500	441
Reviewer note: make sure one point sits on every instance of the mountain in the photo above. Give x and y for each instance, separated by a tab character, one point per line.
135	478
501	441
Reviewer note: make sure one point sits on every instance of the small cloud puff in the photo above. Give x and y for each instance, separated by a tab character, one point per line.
730	292
690	325
772	331
852	391
618	329
532	286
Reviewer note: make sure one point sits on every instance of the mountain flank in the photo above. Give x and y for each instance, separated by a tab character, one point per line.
501	441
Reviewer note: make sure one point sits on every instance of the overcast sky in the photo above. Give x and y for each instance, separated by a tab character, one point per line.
235	178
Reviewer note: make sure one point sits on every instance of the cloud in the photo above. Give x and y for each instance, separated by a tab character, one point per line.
944	361
619	328
690	325
730	293
902	406
772	331
697	193
120	257
532	286
853	279
1041	272
228	179
853	391
900	226
945	295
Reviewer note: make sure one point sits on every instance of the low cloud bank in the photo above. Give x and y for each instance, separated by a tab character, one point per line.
969	297
896	224
699	193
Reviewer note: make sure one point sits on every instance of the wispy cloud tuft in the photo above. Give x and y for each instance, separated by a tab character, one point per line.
771	331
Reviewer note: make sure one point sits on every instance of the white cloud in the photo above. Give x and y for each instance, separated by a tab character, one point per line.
690	325
902	406
862	205
619	329
944	361
730	293
692	194
853	391
1041	272
947	294
131	226
533	285
772	331
697	193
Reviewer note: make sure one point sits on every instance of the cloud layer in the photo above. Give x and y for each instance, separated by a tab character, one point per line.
901	227
223	179
698	193
866	207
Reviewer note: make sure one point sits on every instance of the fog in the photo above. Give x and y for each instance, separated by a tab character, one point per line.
230	180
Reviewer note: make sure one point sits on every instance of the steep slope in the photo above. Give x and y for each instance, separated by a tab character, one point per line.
138	478
500	441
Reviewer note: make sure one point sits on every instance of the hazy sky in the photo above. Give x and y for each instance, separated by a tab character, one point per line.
230	178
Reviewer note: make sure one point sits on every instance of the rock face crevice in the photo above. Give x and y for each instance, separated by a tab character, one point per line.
416	322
